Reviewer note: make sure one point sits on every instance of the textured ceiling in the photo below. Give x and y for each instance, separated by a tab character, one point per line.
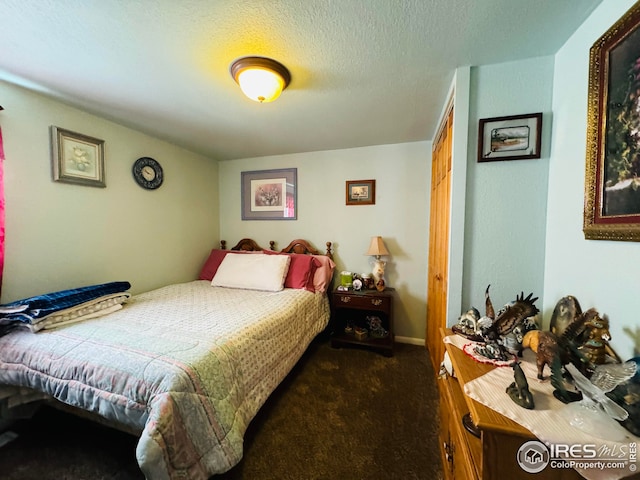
364	72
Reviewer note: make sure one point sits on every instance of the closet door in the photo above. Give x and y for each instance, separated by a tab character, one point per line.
437	284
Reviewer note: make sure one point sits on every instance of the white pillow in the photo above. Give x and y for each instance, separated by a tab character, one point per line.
252	272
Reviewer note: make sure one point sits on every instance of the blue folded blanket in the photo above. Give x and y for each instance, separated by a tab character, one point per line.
29	309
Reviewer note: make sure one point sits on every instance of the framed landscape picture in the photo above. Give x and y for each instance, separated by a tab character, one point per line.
516	137
361	192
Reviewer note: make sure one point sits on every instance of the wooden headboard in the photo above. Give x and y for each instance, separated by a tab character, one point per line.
296	246
302	246
246	244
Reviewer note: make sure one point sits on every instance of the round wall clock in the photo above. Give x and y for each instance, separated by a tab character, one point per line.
147	172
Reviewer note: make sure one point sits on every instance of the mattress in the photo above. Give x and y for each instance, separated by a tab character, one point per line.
187	365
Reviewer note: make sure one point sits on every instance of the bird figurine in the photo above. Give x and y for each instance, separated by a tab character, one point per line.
594	413
565	312
509	316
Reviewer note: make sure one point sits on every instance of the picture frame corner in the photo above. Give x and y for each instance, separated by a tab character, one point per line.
610	199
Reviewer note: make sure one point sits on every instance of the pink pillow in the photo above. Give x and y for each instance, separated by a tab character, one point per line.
216	256
324	273
301	272
210	267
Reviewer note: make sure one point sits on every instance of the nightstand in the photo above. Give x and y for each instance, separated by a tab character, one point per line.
362	318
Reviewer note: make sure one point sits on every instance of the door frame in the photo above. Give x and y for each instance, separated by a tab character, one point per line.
459	93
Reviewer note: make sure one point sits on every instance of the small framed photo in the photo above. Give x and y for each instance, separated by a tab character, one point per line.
77	158
269	194
361	192
516	137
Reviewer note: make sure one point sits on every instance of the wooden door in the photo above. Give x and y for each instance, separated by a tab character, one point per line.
437	284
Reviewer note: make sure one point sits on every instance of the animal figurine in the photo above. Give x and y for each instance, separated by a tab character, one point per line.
545	346
585	342
627	395
596	346
378	271
504	331
511	315
519	390
468	325
565	312
594	413
548	352
594	395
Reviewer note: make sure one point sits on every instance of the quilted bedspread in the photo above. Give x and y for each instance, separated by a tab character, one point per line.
187	365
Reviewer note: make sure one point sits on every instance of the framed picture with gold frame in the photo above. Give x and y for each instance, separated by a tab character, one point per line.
612	177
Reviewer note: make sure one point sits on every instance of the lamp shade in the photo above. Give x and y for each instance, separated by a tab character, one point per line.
377	247
261	79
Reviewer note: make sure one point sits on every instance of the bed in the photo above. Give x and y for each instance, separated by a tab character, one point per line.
185	367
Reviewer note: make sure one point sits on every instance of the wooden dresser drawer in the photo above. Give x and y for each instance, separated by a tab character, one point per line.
364	302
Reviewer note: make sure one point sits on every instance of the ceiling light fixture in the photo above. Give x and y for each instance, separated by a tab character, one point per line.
261	79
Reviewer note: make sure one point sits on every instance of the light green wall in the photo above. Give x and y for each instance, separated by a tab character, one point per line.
506	200
600	274
400	215
62	236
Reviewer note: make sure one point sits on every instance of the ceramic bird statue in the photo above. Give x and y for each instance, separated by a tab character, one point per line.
509	316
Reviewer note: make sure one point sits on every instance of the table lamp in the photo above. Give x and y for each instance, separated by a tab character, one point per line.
377	249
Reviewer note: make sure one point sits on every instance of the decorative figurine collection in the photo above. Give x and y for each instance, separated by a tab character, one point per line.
357	282
501	333
602	393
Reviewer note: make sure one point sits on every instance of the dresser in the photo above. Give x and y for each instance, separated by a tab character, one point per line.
492	454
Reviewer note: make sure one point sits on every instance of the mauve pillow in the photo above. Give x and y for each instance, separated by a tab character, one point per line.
324	273
216	256
302	269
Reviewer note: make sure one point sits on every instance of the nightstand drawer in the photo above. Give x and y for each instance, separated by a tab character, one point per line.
363	302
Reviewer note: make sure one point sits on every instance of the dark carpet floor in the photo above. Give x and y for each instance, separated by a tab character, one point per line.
341	414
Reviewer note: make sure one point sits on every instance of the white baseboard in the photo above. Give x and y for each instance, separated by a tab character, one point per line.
410	340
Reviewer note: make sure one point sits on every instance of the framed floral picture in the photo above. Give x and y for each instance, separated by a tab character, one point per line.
77	158
612	177
269	194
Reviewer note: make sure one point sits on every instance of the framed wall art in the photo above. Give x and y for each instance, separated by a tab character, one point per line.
77	158
612	177
361	192
269	194
516	137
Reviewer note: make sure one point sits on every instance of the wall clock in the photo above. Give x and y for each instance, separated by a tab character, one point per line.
147	172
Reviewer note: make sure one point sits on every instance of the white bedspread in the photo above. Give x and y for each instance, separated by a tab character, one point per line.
187	365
